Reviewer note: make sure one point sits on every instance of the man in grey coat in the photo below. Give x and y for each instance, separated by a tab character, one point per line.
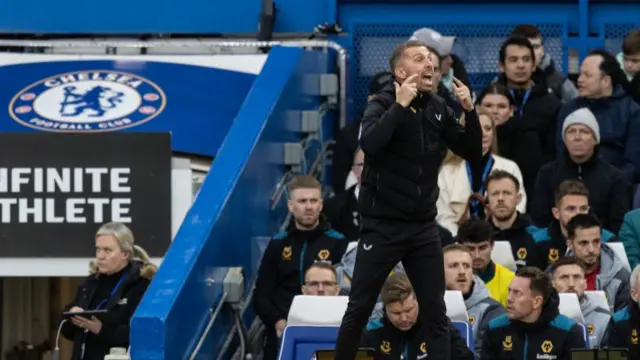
604	269
568	276
458	275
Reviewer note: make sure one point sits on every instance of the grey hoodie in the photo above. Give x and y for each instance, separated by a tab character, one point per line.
481	309
596	320
613	278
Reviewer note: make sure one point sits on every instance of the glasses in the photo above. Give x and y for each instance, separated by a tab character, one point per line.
316	284
358	164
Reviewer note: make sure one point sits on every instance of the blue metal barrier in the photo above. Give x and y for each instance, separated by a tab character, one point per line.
231	209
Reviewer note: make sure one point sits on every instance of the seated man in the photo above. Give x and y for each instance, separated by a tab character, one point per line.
399	334
624	328
508	224
289	254
458	275
320	280
571	198
605	270
568	276
533	327
477	235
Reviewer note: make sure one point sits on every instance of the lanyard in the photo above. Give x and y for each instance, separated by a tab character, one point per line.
101	304
520	108
487	168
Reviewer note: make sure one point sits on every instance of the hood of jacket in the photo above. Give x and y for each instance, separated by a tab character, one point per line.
587	306
479	293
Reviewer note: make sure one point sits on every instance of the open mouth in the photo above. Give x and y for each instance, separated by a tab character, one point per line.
427	77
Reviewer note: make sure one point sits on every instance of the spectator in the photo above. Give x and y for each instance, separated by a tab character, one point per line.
119	277
438	86
533	325
458	180
629	236
342	209
624	328
609	193
508	224
572	198
629	58
602	89
569	276
534	105
399	334
451	66
288	255
320	279
459	276
477	235
347	139
558	82
517	140
605	270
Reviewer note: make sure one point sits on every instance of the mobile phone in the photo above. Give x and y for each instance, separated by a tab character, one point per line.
363	354
85	314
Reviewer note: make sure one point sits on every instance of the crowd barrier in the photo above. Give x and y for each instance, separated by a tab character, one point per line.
230	212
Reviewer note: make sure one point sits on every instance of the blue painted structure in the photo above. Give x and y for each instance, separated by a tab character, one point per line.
232	208
197	104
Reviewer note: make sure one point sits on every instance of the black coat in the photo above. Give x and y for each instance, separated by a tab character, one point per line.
120	305
404	149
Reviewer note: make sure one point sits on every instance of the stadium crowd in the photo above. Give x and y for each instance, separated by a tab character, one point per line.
548	213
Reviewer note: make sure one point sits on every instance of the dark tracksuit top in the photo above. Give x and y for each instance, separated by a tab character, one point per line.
404	150
281	272
624	330
391	343
522	242
551	337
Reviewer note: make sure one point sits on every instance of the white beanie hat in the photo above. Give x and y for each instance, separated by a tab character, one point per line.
582	116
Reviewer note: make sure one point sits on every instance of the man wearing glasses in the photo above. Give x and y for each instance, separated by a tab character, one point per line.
320	280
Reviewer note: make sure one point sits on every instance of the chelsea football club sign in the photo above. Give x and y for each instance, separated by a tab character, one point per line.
88	101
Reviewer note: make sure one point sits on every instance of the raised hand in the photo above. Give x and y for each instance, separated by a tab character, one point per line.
408	91
463	94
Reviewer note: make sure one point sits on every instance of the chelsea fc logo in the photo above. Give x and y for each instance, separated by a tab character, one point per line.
88	101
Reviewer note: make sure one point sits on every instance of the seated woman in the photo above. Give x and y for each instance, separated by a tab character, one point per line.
119	277
517	138
461	183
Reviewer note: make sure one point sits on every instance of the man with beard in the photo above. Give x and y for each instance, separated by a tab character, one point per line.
459	277
604	269
533	327
568	276
405	133
571	199
624	329
289	254
503	195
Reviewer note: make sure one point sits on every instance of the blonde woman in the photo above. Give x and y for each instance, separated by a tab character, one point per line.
461	183
119	277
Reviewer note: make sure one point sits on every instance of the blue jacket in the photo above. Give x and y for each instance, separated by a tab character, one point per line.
619	120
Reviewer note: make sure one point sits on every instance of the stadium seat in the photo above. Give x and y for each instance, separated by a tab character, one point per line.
301	342
466	330
599	298
618	248
570	307
456	310
502	254
317	310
